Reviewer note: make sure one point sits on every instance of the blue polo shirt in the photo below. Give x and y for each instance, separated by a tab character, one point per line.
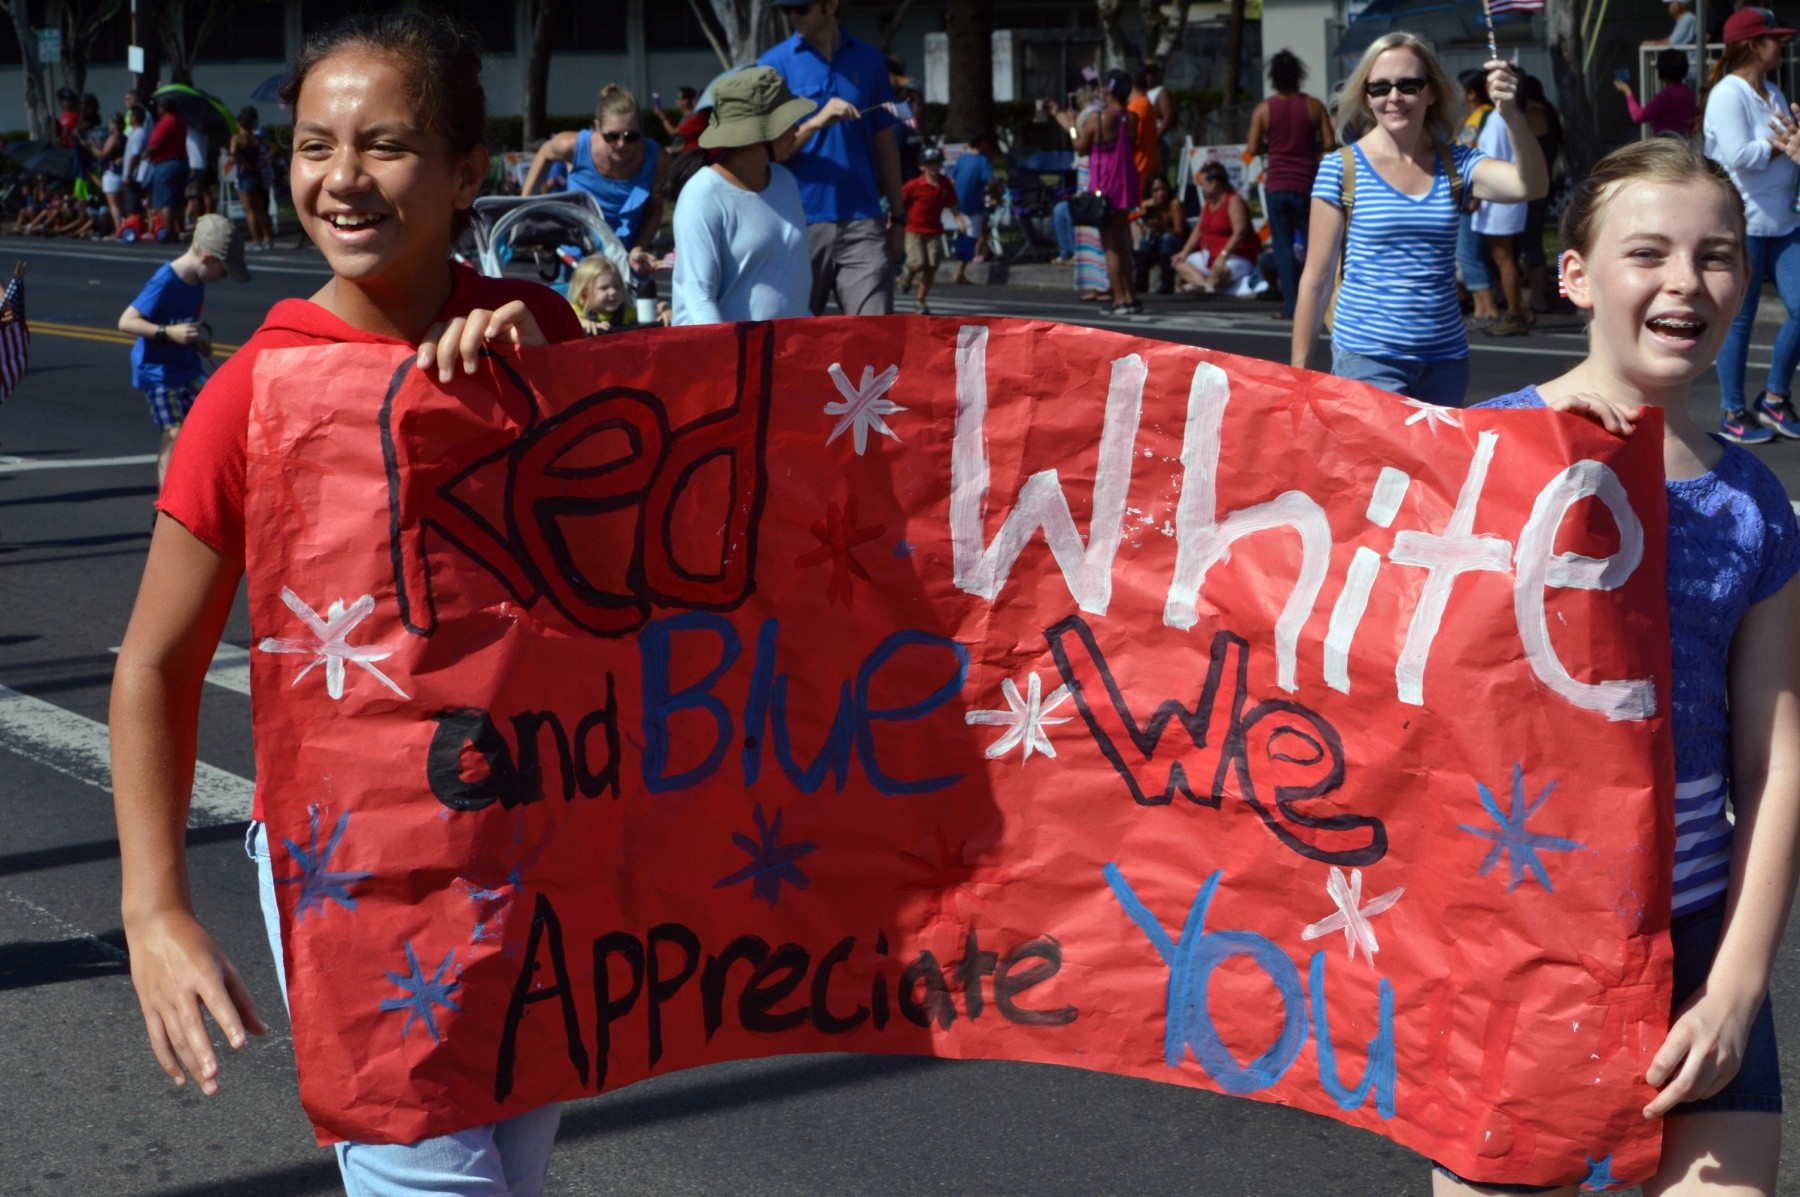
836	171
972	173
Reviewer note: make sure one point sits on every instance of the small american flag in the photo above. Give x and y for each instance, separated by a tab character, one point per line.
1504	6
15	334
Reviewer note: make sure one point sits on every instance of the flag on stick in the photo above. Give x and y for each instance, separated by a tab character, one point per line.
15	334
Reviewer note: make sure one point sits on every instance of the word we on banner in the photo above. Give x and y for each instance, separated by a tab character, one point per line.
978	689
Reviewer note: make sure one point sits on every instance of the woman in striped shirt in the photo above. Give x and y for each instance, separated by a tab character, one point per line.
1396	320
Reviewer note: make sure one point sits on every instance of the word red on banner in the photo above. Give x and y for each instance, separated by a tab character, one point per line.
978	689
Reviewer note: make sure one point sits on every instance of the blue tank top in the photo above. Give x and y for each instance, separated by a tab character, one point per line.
622	200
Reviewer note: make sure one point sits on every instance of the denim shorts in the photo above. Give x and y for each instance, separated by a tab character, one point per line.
1757	1086
1445	383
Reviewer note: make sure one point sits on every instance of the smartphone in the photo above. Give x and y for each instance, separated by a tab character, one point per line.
656	99
1623	74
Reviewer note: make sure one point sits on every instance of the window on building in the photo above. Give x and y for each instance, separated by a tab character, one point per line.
596	25
492	23
670	26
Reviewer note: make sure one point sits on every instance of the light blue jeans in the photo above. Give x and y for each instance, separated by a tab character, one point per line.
1065	230
501	1159
1779	256
1443	383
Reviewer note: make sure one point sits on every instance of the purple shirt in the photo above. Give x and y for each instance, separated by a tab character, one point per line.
1670	110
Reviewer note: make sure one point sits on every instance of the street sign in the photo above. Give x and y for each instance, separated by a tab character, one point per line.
49	45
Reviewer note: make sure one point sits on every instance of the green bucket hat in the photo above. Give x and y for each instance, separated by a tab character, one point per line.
752	106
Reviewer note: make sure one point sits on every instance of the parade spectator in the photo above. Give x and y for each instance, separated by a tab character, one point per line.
1671	110
598	293
906	118
1162	227
1294	131
973	176
1146	155
1685	36
35	195
1063	225
1219	256
168	155
111	156
848	161
618	166
68	120
1741	102
1655	257
1109	139
927	198
397	289
1547	126
1471	253
1396	323
165	319
1499	225
136	164
1164	104
254	170
740	228
685	98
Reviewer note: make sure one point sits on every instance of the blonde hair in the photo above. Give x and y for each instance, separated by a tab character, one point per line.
614	99
588	274
1350	106
1653	160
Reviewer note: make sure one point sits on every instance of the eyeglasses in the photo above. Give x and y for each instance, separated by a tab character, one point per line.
626	136
1410	86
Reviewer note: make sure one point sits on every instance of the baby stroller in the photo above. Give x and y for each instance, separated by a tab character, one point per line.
556	231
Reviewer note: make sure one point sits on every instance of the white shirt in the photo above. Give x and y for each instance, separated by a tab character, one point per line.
1493	218
196	147
136	165
740	255
1737	138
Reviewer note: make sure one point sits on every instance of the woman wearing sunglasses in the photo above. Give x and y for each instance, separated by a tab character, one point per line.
1396	320
618	166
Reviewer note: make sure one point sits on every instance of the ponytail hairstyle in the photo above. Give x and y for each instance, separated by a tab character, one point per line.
1736	55
615	100
441	60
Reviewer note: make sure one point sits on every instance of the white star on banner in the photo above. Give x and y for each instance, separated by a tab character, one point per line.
863	406
1432	414
328	646
1025	719
1352	917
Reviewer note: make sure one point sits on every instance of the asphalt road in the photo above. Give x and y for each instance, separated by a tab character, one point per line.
89	1111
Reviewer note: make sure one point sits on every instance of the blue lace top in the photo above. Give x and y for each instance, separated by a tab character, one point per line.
1733	541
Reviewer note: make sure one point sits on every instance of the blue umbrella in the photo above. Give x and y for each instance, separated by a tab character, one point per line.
269	90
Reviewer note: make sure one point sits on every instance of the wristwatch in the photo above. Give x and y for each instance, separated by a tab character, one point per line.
162	334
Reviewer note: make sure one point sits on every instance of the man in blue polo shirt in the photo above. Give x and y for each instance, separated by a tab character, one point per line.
848	160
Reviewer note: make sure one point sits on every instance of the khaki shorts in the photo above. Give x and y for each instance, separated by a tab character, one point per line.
924	249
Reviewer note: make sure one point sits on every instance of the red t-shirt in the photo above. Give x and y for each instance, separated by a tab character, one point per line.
168	140
925	203
204	491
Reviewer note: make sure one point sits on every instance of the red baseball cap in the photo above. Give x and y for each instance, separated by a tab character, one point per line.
1748	23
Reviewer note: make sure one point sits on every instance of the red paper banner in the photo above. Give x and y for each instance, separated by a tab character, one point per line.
980	689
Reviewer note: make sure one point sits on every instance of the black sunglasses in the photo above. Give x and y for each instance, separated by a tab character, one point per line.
1410	86
628	136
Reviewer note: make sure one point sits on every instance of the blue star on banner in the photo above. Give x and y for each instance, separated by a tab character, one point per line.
771	861
422	995
318	885
1512	839
1600	1174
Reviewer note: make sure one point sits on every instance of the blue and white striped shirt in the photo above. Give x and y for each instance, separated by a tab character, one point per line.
1399	294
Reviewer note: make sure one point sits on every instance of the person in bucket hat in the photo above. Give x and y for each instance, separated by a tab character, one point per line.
740	228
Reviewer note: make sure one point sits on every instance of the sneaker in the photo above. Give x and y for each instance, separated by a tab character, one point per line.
1740	426
1775	411
1507	324
1126	309
1477	323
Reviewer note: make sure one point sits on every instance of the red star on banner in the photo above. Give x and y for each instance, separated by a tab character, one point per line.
838	535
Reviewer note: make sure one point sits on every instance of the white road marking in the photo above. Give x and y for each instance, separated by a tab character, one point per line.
78	747
20	465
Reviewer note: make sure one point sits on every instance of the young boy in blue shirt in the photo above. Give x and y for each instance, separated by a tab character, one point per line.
165	318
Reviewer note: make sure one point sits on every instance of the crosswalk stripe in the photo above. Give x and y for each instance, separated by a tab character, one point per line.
78	747
20	465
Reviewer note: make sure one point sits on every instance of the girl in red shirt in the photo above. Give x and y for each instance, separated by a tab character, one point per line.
388	158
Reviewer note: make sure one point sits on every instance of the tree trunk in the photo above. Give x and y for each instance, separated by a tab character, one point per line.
148	32
1174	28
537	77
748	27
893	27
969	26
37	109
1120	51
1236	55
1581	140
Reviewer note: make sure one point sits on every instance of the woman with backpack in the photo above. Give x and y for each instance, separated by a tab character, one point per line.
1389	203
